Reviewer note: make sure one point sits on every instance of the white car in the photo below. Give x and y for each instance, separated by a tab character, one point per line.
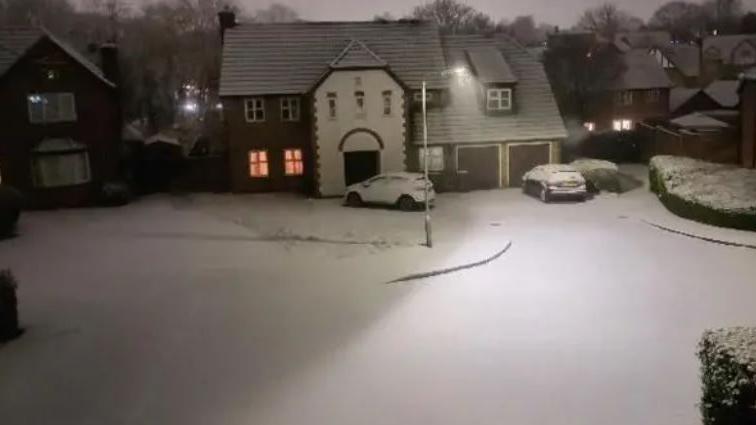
554	181
404	190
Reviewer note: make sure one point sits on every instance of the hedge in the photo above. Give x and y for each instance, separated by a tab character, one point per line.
11	202
728	374
698	212
9	328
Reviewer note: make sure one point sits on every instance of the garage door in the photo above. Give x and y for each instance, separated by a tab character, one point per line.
522	158
478	167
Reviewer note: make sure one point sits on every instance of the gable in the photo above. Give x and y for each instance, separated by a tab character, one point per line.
357	55
744	54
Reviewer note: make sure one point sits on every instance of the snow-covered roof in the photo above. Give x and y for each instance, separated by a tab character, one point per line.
679	96
724	92
642	71
698	120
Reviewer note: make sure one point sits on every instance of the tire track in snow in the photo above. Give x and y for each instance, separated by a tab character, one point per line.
702	238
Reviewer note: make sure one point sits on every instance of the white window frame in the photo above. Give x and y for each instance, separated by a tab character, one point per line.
435	156
333	105
622	124
63	101
251	163
502	98
624	98
298	171
388	103
653	96
359	103
292	106
418	96
254	105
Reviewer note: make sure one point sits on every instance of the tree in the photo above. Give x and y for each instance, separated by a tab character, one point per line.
524	30
683	20
453	17
276	13
607	20
384	17
748	23
723	16
55	15
579	73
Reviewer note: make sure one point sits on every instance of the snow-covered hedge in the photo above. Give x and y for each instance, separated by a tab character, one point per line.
604	175
728	372
718	194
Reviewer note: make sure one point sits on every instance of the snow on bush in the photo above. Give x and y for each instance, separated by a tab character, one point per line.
603	175
728	373
722	187
587	165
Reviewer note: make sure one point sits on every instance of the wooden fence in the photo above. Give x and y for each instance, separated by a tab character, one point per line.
716	146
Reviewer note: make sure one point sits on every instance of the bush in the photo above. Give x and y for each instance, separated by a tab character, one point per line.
688	208
115	194
11	202
8	307
615	146
728	374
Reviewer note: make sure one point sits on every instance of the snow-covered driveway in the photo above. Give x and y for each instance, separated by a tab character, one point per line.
191	311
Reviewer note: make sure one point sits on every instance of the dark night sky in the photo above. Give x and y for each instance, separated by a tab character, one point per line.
558	12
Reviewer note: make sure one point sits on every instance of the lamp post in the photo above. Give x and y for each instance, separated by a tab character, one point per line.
461	73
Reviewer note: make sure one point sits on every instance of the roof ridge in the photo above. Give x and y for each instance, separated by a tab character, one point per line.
351	47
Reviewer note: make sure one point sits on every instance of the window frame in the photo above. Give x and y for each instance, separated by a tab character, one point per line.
624	98
590	126
359	103
653	96
625	124
333	105
418	96
291	104
258	162
254	109
388	103
45	100
499	99
40	175
298	171
439	155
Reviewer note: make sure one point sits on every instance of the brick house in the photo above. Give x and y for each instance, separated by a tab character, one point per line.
316	106
59	139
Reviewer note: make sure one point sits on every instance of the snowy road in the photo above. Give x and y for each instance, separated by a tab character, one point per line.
173	311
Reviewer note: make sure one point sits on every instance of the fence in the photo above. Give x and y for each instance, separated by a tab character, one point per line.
715	146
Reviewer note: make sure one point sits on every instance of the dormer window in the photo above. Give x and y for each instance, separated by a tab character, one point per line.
499	99
418	96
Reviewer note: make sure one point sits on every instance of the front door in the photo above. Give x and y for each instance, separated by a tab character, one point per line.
478	167
360	166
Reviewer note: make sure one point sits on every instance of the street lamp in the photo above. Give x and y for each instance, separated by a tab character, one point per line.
461	73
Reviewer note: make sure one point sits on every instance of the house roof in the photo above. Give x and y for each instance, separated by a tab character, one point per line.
290	58
641	71
357	55
536	118
679	96
698	120
489	65
15	42
685	58
725	44
642	39
724	92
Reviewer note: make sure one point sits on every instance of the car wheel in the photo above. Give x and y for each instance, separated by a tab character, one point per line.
406	203
544	195
354	200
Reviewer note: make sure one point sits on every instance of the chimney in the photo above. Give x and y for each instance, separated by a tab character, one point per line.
226	20
109	62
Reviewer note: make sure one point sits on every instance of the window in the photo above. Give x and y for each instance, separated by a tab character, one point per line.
293	163
258	164
653	96
290	109
254	109
51	107
359	97
418	96
661	59
332	105
624	98
387	102
358	81
499	99
58	170
622	125
435	158
590	126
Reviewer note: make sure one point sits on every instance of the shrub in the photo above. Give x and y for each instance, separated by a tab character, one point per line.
615	146
664	179
728	374
115	194
10	209
8	307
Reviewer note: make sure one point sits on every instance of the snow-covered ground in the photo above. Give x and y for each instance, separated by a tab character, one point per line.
275	310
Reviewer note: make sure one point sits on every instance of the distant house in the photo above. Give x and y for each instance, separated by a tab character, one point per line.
317	106
640	92
681	62
725	56
61	118
719	99
747	92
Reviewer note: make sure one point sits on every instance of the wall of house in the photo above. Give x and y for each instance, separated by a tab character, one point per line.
604	109
748	131
329	133
98	123
273	135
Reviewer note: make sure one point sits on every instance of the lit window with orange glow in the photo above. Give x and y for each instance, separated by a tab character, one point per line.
293	163
258	164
